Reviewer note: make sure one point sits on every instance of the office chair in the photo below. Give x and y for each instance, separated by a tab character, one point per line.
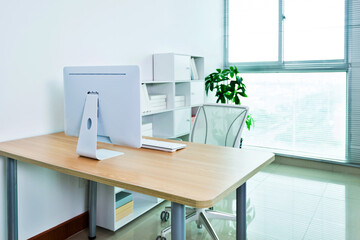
215	124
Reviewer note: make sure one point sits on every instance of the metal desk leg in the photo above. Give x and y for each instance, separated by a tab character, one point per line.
92	209
12	202
241	212
177	221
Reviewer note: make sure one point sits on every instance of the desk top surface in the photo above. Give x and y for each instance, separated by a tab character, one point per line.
199	175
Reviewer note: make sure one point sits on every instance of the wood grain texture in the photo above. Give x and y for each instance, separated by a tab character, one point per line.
199	175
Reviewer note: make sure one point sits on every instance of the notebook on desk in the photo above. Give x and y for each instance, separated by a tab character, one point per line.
161	145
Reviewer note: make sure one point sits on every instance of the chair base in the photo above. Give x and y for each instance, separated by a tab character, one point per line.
201	216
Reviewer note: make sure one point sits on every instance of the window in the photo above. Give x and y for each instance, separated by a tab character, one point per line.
301	113
293	59
257	40
280	31
314	30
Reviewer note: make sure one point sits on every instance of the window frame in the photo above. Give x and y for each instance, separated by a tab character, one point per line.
338	65
281	66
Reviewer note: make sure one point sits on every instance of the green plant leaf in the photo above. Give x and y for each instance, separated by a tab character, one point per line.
223	88
232	95
232	84
242	94
223	100
239	80
236	71
218	70
250	122
229	95
237	100
225	72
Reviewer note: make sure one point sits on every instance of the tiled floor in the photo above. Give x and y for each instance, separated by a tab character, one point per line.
284	202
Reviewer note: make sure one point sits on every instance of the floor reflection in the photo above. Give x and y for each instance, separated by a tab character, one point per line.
284	202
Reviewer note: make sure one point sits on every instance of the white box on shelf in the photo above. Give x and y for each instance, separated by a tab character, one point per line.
197	89
182	120
172	67
181	68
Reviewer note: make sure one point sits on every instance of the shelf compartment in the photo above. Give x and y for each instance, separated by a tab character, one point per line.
182	89
106	206
142	204
162	89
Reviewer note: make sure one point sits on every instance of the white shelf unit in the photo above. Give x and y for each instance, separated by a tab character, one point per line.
172	77
172	74
105	215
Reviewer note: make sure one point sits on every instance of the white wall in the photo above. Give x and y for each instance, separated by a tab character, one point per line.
40	37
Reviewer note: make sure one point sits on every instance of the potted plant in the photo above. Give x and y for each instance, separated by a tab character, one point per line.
229	86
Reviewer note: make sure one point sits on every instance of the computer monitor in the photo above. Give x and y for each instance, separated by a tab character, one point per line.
103	103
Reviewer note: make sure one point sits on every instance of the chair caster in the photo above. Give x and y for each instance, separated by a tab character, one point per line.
164	216
160	238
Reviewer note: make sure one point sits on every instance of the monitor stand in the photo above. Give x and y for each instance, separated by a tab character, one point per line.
87	142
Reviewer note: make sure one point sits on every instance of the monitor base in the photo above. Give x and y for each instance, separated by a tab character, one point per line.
102	154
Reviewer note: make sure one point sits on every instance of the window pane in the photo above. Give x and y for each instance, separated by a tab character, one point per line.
314	29
299	112
253	30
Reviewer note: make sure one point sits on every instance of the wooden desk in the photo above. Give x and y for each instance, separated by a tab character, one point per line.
199	175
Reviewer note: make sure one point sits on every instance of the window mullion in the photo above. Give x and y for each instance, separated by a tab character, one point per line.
226	33
281	32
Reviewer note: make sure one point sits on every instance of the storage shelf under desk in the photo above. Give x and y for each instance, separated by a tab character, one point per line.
106	207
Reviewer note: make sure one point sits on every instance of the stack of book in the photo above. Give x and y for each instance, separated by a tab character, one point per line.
146	129
124	204
157	102
179	101
151	103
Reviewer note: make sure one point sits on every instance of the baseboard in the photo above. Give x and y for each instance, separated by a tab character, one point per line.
327	166
65	229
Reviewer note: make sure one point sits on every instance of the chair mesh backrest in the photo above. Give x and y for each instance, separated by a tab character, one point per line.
219	124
